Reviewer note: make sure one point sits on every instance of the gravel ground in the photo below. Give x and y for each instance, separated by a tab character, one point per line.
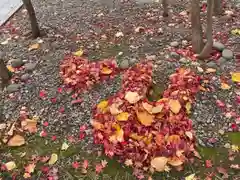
68	25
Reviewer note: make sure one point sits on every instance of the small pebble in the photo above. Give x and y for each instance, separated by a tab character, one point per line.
228	54
221	131
174	44
218	46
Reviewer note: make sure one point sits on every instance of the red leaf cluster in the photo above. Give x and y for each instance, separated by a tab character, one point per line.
139	131
80	74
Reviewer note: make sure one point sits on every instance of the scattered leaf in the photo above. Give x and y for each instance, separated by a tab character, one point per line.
225	86
236	77
145	118
157	109
235	148
128	162
159	163
99	168
78	53
191	177
132	97
16	140
65	146
53	159
30	168
106	70
10	68
210	70
175	106
33	46
189	135
175	161
103	106
75	165
188	107
123	116
10	165
208	163
148	107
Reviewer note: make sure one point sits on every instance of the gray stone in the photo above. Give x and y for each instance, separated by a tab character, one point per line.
13	88
228	54
174	55
30	66
25	77
184	60
16	63
222	60
211	64
219	46
174	44
132	61
124	64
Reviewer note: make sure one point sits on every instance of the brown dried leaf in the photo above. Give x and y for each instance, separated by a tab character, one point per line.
159	163
16	140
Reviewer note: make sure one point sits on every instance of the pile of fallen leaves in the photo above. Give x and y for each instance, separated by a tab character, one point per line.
148	135
80	74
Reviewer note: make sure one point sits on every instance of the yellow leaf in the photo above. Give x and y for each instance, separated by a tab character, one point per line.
175	161
118	136
189	134
159	163
10	68
10	165
174	105
235	148
190	177
132	97
16	140
103	106
145	118
157	109
188	107
225	86
148	107
210	70
78	53
33	46
106	70
65	146
236	77
135	136
53	159
123	116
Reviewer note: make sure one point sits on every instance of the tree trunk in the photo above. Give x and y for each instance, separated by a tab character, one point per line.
208	46
217	7
32	17
197	34
165	8
4	74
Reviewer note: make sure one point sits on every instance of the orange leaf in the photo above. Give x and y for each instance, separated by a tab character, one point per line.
29	125
123	116
16	140
225	86
135	136
174	139
159	139
33	47
145	118
159	163
132	97
114	108
96	125
174	105
106	70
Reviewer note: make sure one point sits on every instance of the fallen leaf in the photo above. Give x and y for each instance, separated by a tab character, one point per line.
159	163
174	139
128	162
106	70
97	125
29	125
10	68
65	146
119	34
208	163
26	175
103	106
99	168
10	165
132	97
174	105
157	109
191	177
148	107
189	134
210	70
145	118
188	107
236	77
118	135
122	116
114	108
53	159
222	171
225	86
16	140
78	53
85	164
104	163
30	168
33	46
175	161
235	148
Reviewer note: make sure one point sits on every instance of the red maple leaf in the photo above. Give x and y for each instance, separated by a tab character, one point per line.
208	163
99	168
75	165
42	94
85	164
